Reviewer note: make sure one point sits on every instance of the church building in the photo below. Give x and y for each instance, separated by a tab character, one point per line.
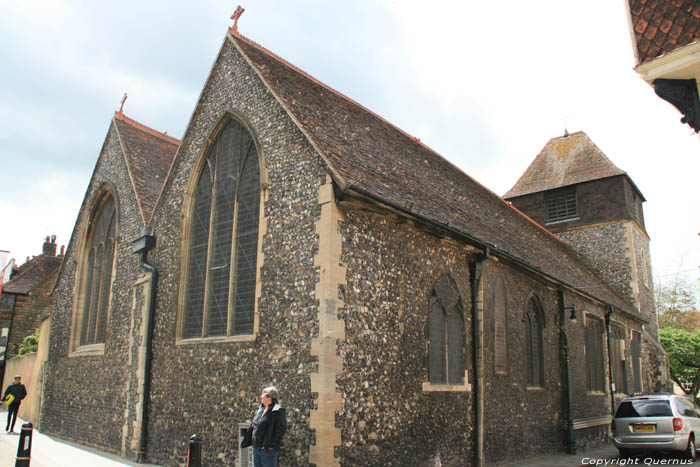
406	313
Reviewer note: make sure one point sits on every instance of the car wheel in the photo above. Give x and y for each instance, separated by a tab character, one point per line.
626	453
690	452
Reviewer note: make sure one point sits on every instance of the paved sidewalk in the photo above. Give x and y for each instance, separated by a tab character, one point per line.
52	452
587	458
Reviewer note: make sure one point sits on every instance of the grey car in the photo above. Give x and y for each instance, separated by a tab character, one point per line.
656	422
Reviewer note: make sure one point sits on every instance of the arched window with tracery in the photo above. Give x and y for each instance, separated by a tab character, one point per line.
221	258
96	272
446	334
534	324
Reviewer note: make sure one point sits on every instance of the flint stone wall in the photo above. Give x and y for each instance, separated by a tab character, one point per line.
209	387
85	394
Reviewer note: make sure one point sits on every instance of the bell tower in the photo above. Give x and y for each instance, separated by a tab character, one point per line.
572	189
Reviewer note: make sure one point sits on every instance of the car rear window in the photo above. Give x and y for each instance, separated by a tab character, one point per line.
644	408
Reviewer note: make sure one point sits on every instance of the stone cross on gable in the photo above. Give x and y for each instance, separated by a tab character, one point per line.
121	109
236	14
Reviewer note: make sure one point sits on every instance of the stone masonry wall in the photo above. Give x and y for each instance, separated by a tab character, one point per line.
208	387
604	246
386	414
85	394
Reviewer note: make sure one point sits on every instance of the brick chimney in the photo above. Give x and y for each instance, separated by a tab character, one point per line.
50	246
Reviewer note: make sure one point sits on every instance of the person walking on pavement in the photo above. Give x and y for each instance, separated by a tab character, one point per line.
18	392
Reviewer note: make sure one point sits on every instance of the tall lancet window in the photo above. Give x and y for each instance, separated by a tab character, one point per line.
534	324
446	334
96	273
223	239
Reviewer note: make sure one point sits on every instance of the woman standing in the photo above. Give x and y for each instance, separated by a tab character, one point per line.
266	432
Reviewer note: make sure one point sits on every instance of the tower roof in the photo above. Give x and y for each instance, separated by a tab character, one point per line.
564	161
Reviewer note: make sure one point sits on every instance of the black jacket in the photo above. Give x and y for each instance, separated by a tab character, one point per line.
17	390
267	428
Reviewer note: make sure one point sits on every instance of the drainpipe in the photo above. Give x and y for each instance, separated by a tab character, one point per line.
142	245
475	269
608	314
570	439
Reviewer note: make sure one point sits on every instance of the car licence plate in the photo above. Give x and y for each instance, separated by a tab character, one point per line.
643	428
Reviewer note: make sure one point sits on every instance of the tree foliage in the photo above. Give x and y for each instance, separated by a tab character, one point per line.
29	344
683	350
676	304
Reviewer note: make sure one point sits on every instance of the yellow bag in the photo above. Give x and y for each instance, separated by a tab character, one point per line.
9	399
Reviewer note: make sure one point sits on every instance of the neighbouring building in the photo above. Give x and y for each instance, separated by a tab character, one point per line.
26	299
293	237
666	42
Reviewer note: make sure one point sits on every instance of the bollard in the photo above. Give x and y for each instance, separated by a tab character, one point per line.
194	452
24	450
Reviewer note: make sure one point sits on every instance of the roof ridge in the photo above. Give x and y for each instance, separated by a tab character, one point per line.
416	139
119	115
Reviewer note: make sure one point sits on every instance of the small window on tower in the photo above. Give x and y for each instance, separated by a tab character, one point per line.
561	205
636	205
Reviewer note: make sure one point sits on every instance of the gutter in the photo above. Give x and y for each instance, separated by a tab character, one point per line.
142	245
483	246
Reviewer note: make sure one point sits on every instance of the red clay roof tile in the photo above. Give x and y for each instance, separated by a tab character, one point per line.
149	154
671	24
371	156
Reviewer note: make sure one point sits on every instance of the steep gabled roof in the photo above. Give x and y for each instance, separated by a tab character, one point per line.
32	274
148	155
662	26
368	155
564	161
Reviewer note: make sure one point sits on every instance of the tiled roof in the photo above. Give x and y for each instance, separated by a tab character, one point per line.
32	274
662	26
564	161
368	155
148	155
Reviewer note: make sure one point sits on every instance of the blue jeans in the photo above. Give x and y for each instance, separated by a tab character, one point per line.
265	457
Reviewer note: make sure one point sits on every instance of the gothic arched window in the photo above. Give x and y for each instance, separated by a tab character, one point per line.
96	273
221	258
534	323
446	334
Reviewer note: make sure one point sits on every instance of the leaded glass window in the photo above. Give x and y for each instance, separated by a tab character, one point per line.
533	341
595	370
617	356
223	238
97	273
446	335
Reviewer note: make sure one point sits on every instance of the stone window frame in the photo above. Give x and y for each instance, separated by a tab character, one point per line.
104	192
534	320
188	206
557	205
500	320
438	305
591	320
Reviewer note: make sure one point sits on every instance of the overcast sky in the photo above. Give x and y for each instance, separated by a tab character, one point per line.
485	84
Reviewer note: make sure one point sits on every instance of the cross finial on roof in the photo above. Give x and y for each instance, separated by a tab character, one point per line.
236	14
121	109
